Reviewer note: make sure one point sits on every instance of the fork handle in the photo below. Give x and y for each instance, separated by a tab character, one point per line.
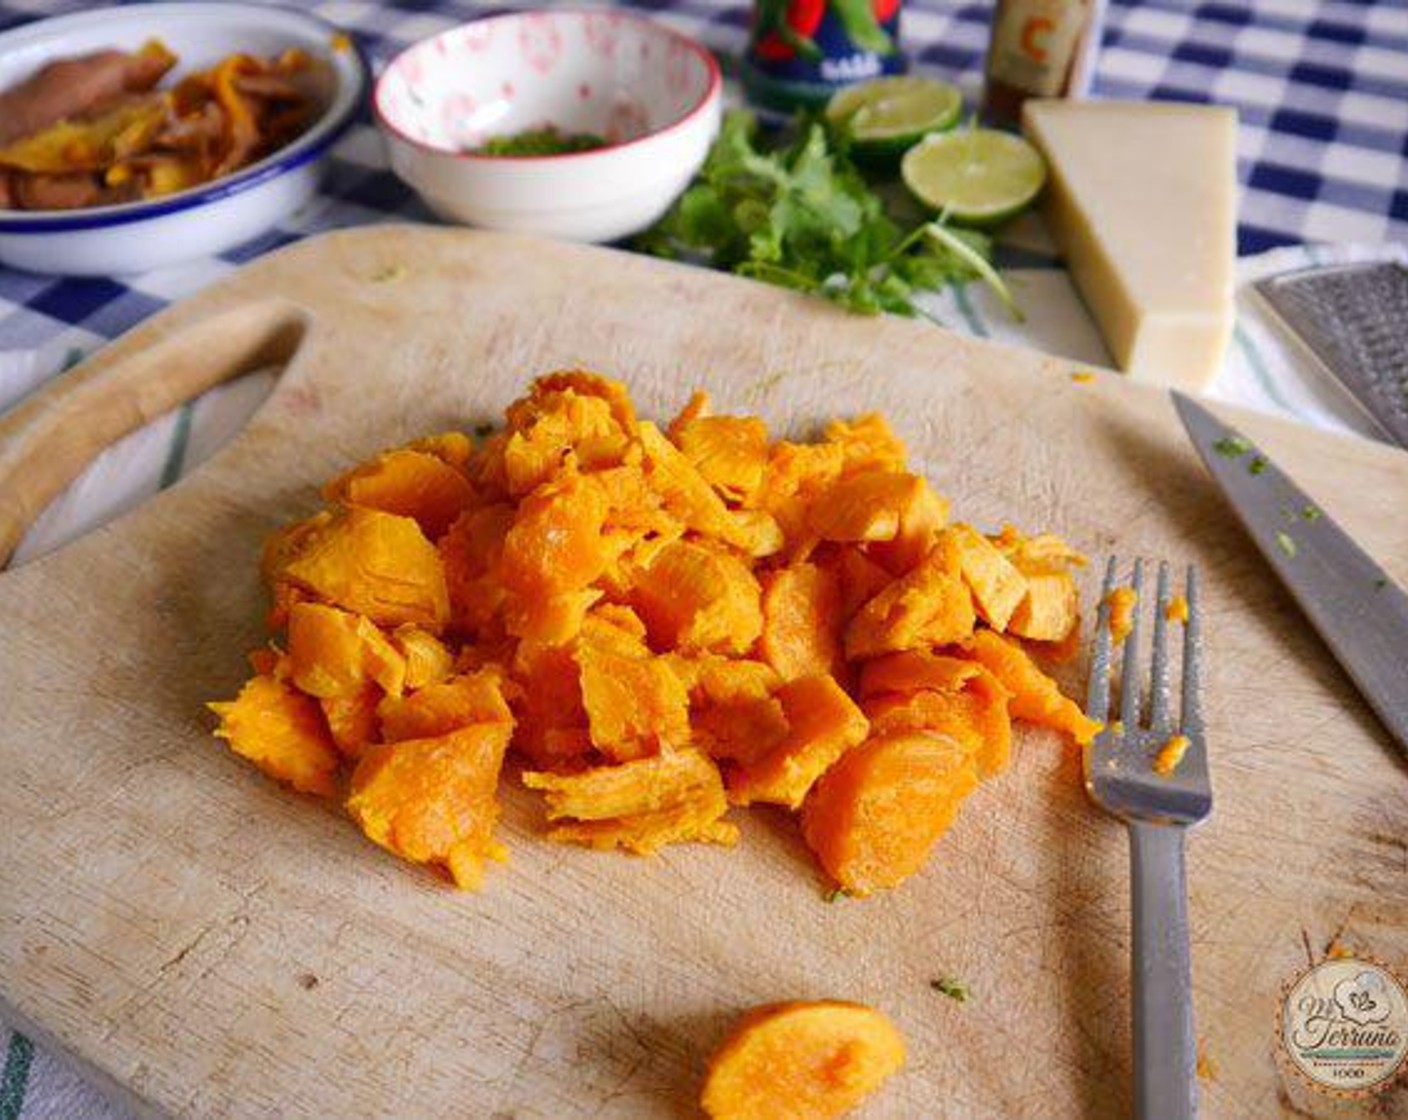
1165	1053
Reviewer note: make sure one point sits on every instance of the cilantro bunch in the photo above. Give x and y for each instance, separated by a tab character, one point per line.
803	217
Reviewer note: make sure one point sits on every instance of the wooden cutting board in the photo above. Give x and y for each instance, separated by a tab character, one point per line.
209	944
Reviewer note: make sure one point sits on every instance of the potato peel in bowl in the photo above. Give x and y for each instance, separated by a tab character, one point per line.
95	131
661	625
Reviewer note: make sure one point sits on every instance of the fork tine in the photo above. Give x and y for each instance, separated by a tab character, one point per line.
1160	689
1097	702
1192	659
1130	683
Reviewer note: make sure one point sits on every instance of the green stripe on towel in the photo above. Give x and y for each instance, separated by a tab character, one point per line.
176	454
16	1076
1260	372
967	310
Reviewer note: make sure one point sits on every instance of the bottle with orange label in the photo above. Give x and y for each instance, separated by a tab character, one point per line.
1039	48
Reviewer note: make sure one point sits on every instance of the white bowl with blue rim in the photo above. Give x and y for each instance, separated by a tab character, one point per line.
210	218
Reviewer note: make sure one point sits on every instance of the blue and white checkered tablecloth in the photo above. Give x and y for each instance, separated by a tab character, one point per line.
1322	89
1321	86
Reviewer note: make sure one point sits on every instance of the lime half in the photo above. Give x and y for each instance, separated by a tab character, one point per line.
977	176
885	116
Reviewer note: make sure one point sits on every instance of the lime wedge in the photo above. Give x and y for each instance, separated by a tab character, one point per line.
885	116
975	176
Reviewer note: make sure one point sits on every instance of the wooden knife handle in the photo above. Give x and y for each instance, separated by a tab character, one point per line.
52	434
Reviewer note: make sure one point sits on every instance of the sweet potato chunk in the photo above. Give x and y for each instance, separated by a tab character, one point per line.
373	563
282	732
976	717
287	542
822	724
694	598
1045	552
639	806
921	518
554	544
1051	609
437	709
427	658
797	475
860	577
731	452
802	621
998	587
873	818
1035	696
685	493
915	670
451	448
801	1061
734	713
867	442
551	556
553	425
1050	612
552	722
916	690
408	482
352	720
929	606
585	383
635	704
865	507
433	800
472	552
1122	602
334	653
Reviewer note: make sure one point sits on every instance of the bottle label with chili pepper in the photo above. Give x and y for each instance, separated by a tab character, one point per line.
802	51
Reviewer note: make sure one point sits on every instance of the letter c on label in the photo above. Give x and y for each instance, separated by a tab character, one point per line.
1034	35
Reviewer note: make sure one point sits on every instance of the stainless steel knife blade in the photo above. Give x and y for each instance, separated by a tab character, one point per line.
1357	609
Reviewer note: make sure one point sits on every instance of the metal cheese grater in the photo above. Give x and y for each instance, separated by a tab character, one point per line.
1354	319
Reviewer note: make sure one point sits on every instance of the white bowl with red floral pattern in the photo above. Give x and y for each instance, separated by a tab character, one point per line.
650	92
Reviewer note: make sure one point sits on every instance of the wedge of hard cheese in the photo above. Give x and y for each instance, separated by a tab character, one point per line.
1142	202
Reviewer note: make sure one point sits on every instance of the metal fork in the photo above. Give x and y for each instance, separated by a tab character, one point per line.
1158	810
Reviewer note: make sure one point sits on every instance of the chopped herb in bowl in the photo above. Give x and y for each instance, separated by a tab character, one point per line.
545	140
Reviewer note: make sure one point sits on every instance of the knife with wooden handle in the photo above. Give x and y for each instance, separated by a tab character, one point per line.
1360	612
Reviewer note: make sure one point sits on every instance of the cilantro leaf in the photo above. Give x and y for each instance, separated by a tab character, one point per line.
956	990
803	217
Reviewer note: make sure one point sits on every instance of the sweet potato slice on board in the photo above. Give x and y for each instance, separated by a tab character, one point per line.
433	800
638	806
929	606
694	597
802	622
335	653
408	482
873	818
823	723
281	731
801	1061
1036	698
373	563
